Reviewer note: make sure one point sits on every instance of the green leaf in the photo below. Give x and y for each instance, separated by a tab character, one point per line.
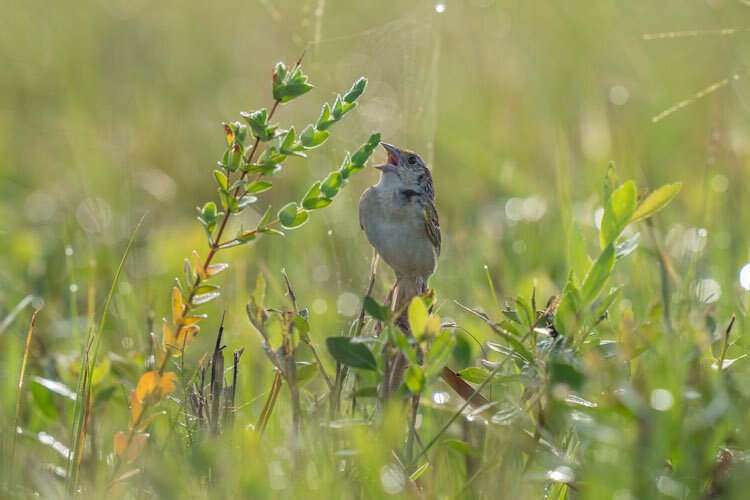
617	212
403	344
221	179
208	216
245	201
286	144
564	372
306	371
289	91
205	288
462	447
325	120
380	313
314	200
353	355
607	302
414	378
292	216
228	201
346	168
332	184
43	399
421	470
360	157
258	124
357	89
418	316
439	355
279	73
338	108
655	201
566	316
463	353
578	257
597	277
302	326
473	374
258	187
527	312
312	138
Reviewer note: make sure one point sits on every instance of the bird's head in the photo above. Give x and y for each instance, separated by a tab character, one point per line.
402	166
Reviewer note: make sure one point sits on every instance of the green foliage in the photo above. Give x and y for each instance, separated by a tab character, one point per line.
350	354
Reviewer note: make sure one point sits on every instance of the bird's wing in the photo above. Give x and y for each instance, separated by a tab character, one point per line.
432	225
364	201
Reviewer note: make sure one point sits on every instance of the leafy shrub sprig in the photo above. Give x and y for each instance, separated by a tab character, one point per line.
241	176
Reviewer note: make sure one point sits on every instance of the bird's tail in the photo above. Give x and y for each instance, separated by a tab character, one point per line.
408	288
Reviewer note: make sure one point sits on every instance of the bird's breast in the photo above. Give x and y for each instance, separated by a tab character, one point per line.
398	234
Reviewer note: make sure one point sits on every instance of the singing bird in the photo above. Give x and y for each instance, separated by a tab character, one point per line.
399	218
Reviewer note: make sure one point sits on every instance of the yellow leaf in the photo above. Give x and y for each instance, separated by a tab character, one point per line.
128	452
135	408
149	387
184	337
215	269
153	387
178	306
168	381
167	334
190	320
147	421
199	270
431	328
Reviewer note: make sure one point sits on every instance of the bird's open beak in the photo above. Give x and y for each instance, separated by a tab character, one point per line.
391	165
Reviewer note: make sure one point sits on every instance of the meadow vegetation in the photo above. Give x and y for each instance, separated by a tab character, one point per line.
584	335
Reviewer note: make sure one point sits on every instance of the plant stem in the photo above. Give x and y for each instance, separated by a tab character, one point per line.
18	397
412	427
265	414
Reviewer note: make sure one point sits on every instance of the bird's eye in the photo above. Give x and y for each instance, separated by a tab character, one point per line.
412	160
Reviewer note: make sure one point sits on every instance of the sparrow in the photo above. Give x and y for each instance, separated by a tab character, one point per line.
400	221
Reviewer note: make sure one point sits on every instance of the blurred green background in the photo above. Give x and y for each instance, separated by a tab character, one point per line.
111	109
